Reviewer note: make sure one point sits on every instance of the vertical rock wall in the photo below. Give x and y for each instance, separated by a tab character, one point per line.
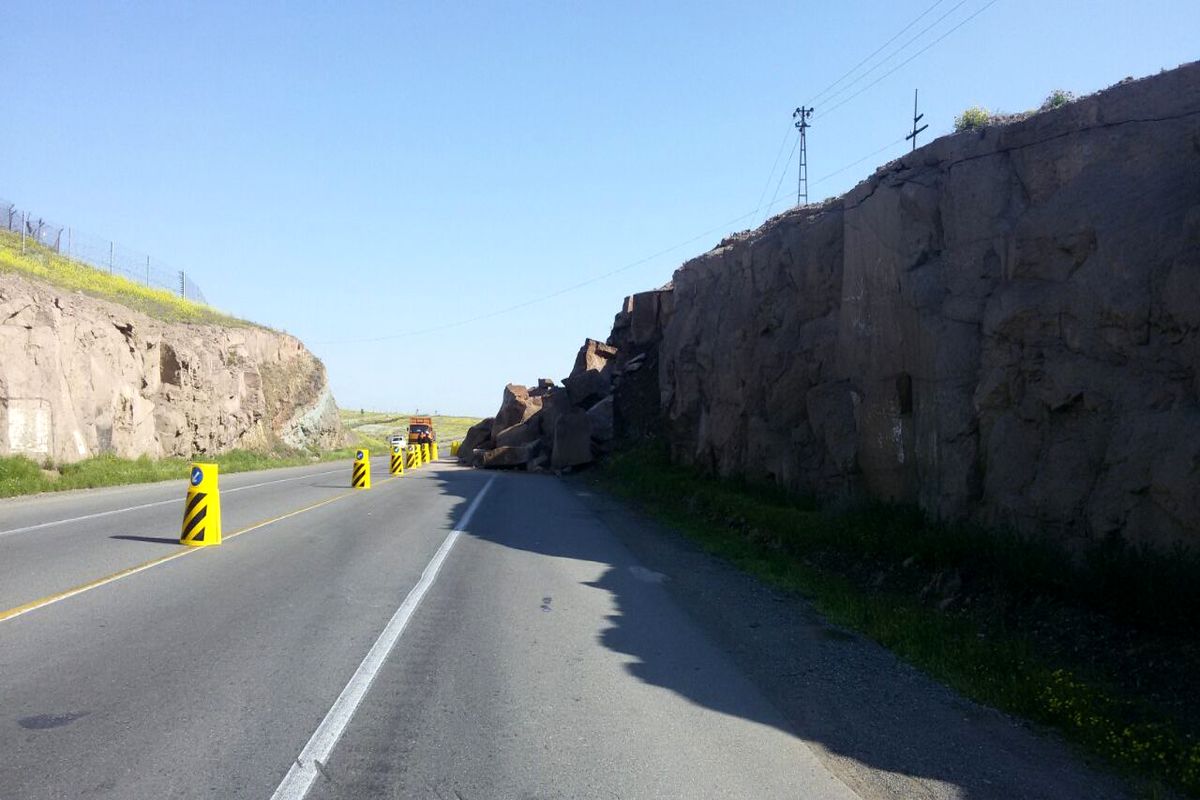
1002	326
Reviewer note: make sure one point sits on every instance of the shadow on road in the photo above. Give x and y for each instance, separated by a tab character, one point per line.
849	696
150	539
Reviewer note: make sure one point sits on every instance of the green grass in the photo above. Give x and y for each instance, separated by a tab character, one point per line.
378	425
1100	647
20	475
972	118
43	264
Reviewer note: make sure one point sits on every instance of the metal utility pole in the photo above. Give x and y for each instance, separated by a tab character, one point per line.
916	118
801	116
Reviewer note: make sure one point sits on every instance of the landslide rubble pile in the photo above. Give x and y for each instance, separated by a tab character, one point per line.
552	427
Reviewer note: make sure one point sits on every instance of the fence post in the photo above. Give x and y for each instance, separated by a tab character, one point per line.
182	293
147	270
68	242
24	225
110	258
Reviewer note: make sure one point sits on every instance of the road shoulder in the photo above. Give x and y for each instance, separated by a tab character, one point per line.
884	728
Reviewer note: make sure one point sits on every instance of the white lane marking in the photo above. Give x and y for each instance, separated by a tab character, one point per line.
110	512
304	769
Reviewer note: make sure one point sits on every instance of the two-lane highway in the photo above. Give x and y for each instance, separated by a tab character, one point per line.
415	660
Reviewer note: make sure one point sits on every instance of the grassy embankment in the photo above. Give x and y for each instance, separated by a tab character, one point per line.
43	264
1100	646
19	475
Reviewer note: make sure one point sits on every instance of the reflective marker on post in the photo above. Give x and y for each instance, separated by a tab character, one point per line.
202	511
361	477
397	460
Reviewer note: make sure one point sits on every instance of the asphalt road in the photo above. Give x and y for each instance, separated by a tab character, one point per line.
449	634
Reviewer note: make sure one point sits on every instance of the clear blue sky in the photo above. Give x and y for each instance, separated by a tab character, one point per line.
351	170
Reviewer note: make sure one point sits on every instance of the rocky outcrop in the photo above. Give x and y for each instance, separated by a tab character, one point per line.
1002	326
80	376
551	426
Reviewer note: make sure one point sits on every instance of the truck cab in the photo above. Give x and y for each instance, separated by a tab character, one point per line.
420	430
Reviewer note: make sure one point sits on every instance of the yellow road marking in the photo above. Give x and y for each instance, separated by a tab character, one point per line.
50	599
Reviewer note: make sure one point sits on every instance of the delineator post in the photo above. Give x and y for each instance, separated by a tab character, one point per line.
202	509
360	477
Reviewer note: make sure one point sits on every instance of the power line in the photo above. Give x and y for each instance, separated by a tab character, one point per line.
981	9
898	50
845	75
840	170
779	184
898	34
782	144
724	226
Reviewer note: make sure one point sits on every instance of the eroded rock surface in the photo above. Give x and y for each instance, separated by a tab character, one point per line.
80	376
1002	326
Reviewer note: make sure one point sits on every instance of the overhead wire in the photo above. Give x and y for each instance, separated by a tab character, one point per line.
771	174
898	50
840	170
724	226
924	49
788	163
898	34
850	72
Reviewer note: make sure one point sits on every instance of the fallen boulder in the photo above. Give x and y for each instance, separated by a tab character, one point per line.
544	387
593	355
572	440
601	416
522	433
588	387
510	456
478	435
516	407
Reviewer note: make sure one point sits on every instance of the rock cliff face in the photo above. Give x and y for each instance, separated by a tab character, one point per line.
1002	326
81	376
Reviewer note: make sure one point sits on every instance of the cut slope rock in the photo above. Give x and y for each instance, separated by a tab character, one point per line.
1002	326
81	376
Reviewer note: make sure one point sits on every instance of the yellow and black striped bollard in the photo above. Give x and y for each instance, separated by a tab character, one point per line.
202	514
360	478
397	460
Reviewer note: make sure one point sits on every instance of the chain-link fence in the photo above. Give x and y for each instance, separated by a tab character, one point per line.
96	252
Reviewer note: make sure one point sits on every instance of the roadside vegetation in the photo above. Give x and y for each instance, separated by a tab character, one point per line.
377	426
1100	645
43	264
977	117
20	475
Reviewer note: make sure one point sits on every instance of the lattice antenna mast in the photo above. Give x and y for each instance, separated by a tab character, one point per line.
916	118
801	116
